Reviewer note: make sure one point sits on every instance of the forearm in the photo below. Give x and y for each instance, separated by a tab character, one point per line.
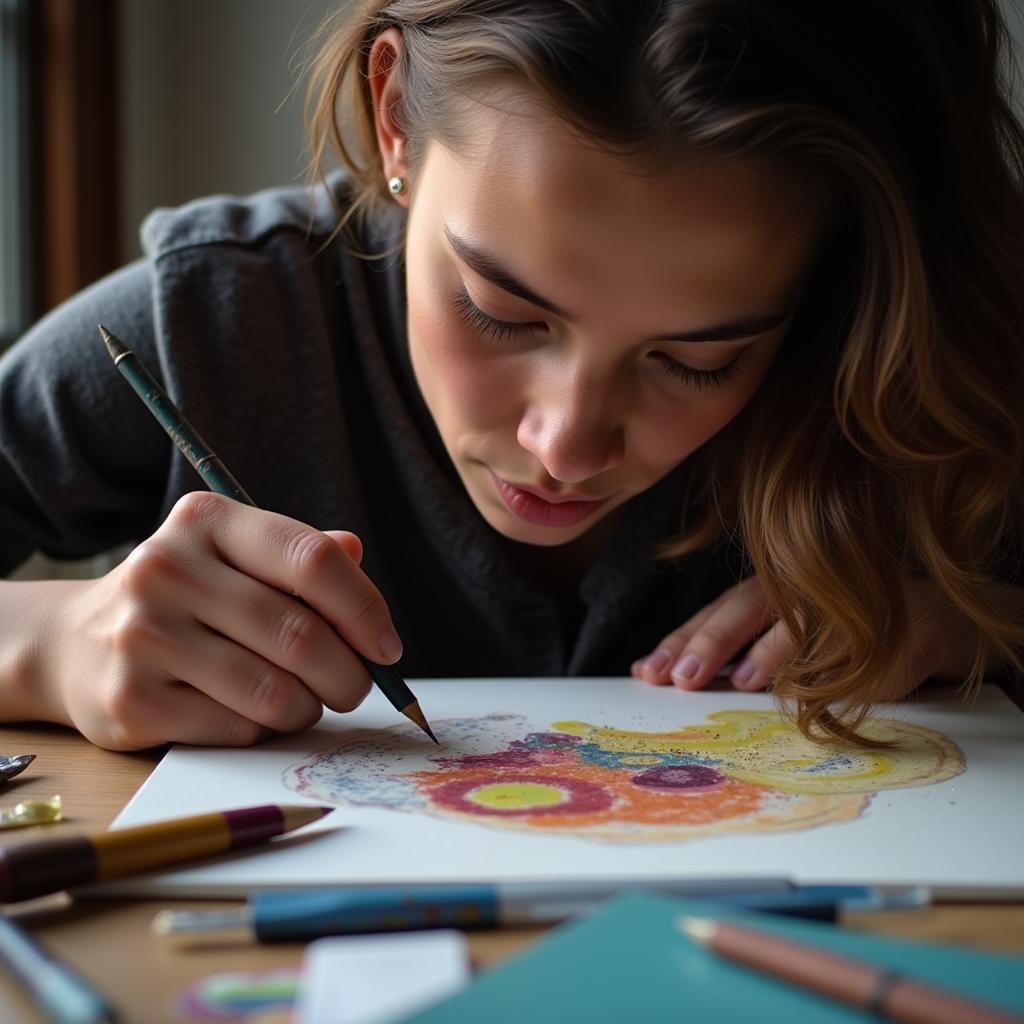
30	633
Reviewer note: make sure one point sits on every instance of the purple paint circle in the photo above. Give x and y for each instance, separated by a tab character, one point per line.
678	776
581	797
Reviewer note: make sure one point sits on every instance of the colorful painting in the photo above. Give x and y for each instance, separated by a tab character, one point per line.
741	771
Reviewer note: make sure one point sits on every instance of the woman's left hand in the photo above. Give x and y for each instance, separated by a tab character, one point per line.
942	640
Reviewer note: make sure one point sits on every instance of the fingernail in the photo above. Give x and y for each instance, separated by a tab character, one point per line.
390	646
658	660
743	677
686	668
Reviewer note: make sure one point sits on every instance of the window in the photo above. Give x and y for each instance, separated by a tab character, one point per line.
16	256
58	153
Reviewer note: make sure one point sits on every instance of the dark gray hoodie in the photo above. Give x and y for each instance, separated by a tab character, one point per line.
287	351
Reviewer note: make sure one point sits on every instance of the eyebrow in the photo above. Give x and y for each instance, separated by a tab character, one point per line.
490	269
730	330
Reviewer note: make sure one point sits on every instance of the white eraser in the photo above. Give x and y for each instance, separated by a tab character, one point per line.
376	979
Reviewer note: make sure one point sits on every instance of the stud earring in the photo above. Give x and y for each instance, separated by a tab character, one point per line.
397	185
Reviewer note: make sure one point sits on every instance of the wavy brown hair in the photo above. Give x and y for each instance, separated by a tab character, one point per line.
887	443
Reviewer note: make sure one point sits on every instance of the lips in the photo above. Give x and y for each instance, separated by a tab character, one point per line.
556	510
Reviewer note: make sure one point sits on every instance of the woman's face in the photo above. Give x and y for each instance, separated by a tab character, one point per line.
579	326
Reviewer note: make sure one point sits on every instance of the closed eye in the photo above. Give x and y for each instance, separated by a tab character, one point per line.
502	330
506	330
718	377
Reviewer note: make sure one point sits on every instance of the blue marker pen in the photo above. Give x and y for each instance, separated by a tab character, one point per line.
302	915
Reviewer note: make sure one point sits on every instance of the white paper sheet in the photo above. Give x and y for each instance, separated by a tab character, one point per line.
379	979
961	834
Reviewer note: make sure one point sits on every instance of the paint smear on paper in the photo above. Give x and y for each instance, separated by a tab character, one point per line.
741	771
252	997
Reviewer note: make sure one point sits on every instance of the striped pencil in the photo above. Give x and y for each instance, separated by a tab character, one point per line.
34	869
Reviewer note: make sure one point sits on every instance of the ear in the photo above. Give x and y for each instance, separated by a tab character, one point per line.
386	92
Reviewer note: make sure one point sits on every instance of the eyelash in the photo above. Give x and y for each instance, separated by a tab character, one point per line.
716	378
470	313
502	330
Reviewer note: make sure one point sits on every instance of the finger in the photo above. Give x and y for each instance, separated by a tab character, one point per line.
656	666
348	542
758	668
290	649
243	682
734	623
174	712
295	558
188	716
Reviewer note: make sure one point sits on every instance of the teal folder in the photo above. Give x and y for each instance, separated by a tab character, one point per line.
629	964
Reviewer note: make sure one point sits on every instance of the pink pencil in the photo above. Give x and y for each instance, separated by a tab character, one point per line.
886	993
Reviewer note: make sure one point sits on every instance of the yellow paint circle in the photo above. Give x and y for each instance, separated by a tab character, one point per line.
516	795
640	759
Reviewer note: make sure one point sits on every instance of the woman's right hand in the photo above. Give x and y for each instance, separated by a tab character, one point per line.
195	638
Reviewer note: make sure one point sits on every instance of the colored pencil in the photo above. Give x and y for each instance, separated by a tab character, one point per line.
299	916
888	994
218	478
34	869
60	993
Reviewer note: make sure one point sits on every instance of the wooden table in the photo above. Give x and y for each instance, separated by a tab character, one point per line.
110	941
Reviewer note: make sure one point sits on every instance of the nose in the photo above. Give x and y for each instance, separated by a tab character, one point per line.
573	431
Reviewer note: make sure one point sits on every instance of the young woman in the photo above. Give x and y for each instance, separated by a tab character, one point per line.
655	336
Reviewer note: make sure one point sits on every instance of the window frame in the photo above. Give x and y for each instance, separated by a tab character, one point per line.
17	242
75	147
60	180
